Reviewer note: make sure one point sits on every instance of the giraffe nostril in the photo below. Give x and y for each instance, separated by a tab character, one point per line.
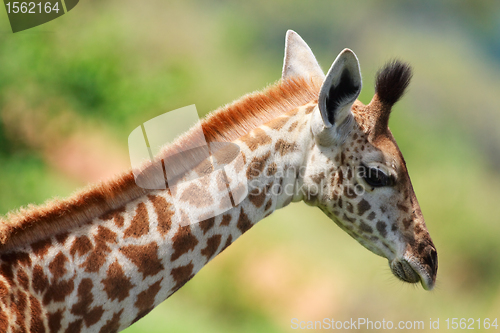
433	258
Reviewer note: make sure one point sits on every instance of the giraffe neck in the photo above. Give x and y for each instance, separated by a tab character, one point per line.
105	275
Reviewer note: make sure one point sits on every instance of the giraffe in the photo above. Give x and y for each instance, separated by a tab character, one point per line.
103	258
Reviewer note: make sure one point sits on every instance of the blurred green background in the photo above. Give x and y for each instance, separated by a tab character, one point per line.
73	89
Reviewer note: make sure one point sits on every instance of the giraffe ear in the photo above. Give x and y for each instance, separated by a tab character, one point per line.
340	89
299	60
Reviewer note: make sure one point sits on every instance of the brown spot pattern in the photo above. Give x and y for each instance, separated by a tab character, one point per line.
3	321
139	226
105	235
257	165
41	248
182	242
146	298
226	219
271	169
61	238
381	227
341	177
56	266
256	138
283	147
19	307
363	206
365	227
212	246
257	197
22	279
181	275
402	208
81	246
40	280
244	222
54	320
4	291
117	285
98	257
74	327
113	324
58	291
85	299
145	257
36	316
93	316
164	212
278	123
310	109
207	224
293	126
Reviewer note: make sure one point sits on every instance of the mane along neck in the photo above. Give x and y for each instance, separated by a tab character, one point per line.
226	124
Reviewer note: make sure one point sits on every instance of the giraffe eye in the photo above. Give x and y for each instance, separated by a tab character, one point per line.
376	177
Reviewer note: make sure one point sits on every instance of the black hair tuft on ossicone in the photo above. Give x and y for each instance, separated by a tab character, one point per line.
392	81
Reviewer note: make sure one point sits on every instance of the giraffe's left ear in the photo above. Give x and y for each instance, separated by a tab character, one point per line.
340	89
299	60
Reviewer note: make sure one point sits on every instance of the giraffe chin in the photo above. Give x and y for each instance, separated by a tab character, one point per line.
409	270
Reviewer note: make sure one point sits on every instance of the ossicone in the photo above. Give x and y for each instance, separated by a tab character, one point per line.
392	81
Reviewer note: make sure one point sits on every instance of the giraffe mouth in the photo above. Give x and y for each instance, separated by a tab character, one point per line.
410	271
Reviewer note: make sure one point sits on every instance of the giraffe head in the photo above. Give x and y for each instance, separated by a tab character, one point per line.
355	172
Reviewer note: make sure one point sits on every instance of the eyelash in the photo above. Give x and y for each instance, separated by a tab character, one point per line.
376	178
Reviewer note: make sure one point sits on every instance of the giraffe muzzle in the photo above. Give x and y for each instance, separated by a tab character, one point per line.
410	269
